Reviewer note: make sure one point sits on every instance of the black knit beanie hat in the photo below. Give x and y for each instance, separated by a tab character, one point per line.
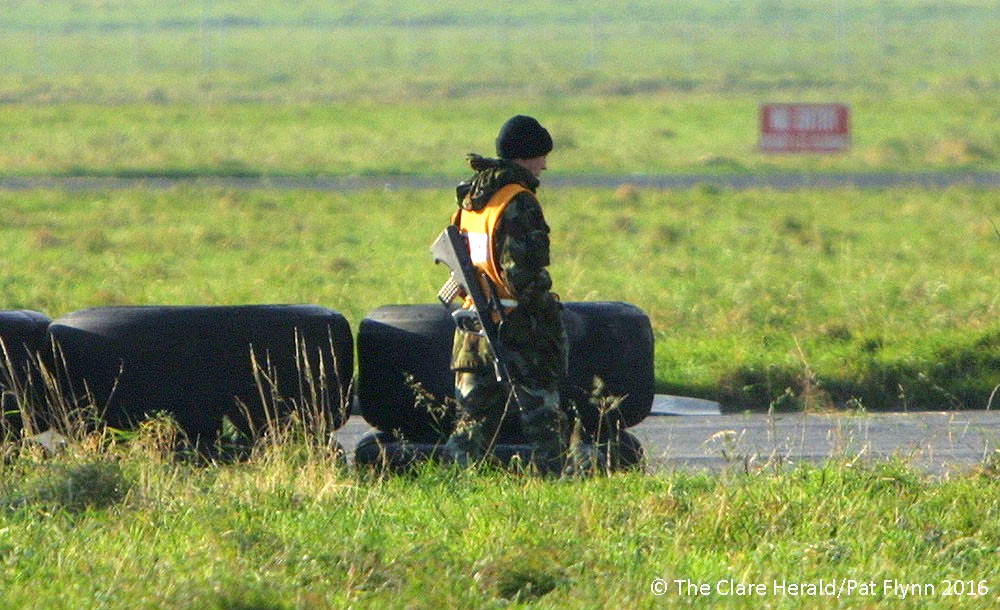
523	137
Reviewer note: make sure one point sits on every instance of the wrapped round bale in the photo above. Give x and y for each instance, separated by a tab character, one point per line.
399	346
23	338
248	363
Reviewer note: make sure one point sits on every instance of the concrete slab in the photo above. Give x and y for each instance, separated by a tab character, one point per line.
665	404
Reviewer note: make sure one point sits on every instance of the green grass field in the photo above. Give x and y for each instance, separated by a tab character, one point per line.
844	299
128	527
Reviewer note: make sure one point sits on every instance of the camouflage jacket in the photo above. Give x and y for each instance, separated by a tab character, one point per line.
533	332
522	236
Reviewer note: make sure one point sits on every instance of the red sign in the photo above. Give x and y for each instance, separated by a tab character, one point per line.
805	128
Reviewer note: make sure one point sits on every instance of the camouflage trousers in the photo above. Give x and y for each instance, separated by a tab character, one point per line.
539	363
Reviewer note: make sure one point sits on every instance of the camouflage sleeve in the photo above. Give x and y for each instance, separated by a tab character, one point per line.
524	252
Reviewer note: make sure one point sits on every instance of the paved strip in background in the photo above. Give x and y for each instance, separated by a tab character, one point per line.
938	442
779	181
693	435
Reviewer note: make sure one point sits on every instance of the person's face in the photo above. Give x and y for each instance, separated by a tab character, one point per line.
535	165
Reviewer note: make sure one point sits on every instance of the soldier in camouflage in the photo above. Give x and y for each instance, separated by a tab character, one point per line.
499	204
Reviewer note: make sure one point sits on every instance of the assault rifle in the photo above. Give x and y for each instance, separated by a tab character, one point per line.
452	249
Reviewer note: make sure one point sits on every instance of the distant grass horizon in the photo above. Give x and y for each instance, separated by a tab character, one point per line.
200	87
649	135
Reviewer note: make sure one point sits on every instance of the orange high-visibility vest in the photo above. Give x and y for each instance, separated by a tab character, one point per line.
479	227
